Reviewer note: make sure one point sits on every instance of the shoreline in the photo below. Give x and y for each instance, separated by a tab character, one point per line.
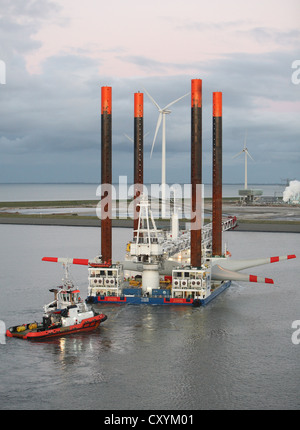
243	225
251	218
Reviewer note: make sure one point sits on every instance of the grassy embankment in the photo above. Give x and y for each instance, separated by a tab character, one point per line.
46	204
93	203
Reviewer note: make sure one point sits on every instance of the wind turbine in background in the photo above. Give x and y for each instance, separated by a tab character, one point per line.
246	152
131	139
162	118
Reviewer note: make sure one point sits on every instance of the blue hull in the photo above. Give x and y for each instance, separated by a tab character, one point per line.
138	300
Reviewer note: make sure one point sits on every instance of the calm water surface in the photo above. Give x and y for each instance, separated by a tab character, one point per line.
236	353
44	192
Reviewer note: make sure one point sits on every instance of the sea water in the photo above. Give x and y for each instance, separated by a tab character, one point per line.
44	192
236	353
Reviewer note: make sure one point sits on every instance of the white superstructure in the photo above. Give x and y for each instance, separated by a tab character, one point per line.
105	281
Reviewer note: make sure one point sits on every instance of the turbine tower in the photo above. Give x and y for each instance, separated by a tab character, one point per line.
162	118
246	152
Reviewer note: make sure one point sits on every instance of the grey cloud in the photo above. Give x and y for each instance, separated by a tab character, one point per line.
58	114
50	123
30	9
260	34
281	38
145	63
19	21
200	26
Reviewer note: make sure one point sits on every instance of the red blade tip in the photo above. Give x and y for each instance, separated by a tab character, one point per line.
53	259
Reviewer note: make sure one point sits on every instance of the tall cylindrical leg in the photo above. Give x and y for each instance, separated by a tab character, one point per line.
196	170
217	175
106	175
138	153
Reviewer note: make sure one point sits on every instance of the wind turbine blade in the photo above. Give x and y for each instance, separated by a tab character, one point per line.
238	154
152	99
175	101
249	155
235	265
156	131
218	273
129	138
245	139
82	261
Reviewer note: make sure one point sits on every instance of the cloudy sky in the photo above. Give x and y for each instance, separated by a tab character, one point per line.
58	53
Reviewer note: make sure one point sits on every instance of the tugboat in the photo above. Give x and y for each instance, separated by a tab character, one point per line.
66	314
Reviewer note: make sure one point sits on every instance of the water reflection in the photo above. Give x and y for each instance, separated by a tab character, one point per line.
234	353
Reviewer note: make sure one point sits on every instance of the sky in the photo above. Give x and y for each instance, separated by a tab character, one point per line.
57	54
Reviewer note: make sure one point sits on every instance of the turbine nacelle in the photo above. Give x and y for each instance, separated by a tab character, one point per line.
162	111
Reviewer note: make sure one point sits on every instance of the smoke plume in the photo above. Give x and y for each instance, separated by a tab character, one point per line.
292	192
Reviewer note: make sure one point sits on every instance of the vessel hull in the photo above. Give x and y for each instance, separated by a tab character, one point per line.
165	301
86	325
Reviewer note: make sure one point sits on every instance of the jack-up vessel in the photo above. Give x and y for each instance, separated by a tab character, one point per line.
157	268
178	267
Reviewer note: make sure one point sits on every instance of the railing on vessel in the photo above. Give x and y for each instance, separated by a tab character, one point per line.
171	247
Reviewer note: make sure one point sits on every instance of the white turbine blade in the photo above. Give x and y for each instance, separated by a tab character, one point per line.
245	148
236	265
238	154
245	139
218	273
156	131
152	99
175	101
129	138
247	152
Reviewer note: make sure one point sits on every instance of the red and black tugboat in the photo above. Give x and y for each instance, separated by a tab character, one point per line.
66	314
